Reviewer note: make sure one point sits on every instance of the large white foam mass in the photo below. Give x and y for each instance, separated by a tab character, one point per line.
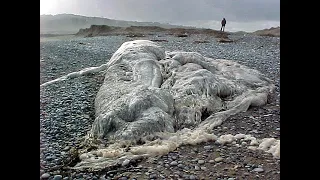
176	97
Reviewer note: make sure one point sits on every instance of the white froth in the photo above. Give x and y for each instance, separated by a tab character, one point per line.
228	138
85	71
271	145
239	136
169	142
231	75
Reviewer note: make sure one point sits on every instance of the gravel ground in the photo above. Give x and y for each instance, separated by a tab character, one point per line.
66	111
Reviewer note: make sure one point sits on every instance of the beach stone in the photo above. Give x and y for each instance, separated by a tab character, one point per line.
207	147
173	163
258	170
201	162
125	162
192	177
218	159
45	176
57	177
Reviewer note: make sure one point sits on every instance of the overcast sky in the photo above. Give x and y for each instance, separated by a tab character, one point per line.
246	15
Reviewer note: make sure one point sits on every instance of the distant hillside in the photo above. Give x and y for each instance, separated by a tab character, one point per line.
140	31
274	31
70	23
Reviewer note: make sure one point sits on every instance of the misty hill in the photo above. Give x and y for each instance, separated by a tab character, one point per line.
273	31
70	23
140	31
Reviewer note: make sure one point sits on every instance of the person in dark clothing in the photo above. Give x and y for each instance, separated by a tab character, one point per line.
223	24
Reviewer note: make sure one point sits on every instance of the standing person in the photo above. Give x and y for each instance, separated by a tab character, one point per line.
223	24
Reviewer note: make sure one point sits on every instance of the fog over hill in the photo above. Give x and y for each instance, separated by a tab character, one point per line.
70	23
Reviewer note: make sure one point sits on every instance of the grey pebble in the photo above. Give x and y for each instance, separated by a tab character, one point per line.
125	162
41	171
258	170
207	147
49	158
153	176
57	177
173	163
200	162
45	176
174	157
203	168
66	148
192	177
218	159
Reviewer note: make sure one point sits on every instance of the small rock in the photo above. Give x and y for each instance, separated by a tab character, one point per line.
125	162
200	162
185	176
218	159
153	176
49	158
173	163
45	176
196	168
211	161
41	171
57	177
203	168
258	170
207	147
174	157
192	177
255	131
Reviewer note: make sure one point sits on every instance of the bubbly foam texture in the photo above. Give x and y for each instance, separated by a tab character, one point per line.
115	154
230	73
85	71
